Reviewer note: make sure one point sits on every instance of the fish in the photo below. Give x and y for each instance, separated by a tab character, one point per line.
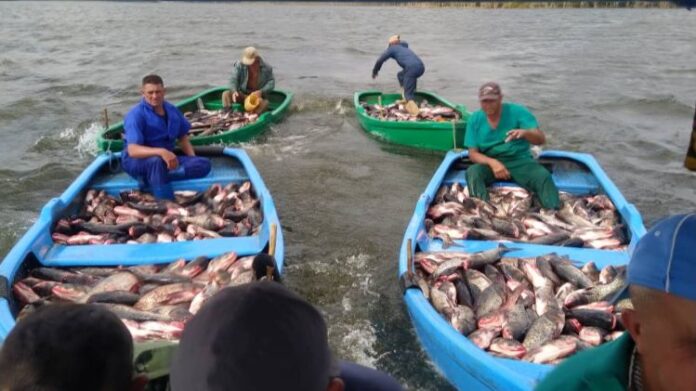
507	348
136	217
488	301
516	323
483	337
121	281
570	273
593	335
463	319
552	350
544	329
114	297
593	317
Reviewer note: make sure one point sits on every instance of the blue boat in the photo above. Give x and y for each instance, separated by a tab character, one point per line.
37	248
465	365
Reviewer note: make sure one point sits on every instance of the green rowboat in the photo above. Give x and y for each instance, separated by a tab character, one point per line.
439	136
278	104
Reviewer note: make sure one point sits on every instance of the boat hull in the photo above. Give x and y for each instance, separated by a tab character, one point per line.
431	135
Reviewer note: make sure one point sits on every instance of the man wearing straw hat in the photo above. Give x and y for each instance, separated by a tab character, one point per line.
411	64
251	81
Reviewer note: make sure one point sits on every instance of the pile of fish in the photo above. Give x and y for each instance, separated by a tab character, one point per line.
510	215
536	309
153	301
398	112
209	122
137	217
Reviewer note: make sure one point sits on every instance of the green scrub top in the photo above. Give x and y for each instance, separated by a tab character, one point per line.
602	368
491	142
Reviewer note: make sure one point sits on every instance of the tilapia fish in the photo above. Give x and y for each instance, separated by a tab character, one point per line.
398	112
153	301
513	215
540	309
136	217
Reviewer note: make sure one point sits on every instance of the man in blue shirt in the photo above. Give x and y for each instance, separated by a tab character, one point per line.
412	65
152	128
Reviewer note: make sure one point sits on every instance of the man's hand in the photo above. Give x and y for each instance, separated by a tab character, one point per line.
238	96
258	94
170	159
499	170
515	134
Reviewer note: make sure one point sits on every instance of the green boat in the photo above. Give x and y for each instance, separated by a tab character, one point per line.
278	104
433	135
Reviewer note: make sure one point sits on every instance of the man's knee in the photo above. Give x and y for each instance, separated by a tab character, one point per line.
198	167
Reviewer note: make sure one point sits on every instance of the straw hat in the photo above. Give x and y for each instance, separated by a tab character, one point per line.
394	39
251	103
249	55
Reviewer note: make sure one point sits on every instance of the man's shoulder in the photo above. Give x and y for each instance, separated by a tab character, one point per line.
137	110
476	116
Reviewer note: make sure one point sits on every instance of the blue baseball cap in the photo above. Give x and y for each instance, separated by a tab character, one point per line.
665	258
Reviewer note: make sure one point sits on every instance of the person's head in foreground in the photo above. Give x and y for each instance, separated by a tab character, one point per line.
658	350
662	280
258	336
74	347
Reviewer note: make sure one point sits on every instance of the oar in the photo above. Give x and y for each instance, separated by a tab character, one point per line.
106	119
381	108
454	134
272	240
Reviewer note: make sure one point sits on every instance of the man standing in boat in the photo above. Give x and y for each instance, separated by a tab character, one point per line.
498	137
251	81
411	64
656	352
151	129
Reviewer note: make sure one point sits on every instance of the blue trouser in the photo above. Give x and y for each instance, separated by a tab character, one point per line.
407	79
153	172
359	378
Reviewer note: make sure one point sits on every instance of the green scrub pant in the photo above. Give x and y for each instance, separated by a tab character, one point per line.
529	174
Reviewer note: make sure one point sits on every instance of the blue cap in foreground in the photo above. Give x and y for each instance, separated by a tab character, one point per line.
665	258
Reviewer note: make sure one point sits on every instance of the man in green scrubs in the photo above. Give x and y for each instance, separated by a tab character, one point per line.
498	137
659	350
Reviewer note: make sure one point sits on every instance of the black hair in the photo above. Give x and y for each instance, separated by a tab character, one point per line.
153	79
77	347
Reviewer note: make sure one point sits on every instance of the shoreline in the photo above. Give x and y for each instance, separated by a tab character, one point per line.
495	4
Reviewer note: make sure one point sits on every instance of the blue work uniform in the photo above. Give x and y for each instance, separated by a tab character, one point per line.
143	126
360	378
411	64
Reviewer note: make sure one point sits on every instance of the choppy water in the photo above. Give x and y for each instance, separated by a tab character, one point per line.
619	84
